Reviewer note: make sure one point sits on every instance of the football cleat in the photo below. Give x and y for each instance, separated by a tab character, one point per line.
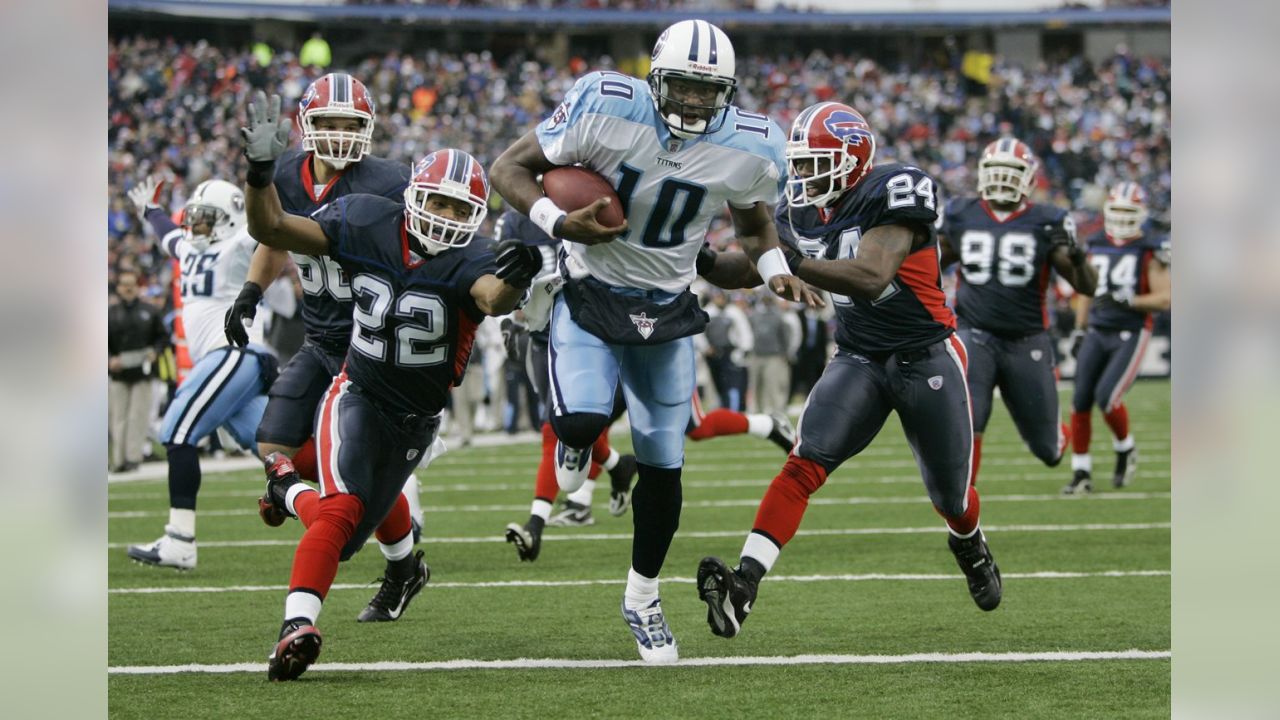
728	596
299	646
527	538
979	567
653	636
280	477
392	599
572	466
1126	468
782	435
173	549
572	514
1081	484
620	478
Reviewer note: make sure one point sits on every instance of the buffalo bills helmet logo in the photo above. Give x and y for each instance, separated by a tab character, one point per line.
847	127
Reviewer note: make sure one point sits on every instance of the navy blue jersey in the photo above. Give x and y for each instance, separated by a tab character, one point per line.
326	300
1123	268
415	319
1004	264
912	312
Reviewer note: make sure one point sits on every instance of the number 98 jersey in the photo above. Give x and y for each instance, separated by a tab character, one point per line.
1004	264
911	313
415	319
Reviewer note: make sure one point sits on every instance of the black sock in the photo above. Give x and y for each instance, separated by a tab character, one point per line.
184	476
536	522
655	504
403	568
751	569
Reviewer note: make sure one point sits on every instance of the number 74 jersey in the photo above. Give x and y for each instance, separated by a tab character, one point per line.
1004	264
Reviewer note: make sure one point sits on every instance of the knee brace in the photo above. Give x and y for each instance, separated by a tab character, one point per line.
579	430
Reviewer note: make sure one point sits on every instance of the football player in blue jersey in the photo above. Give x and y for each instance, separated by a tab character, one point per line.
865	233
336	115
1112	329
1007	246
421	286
677	150
228	385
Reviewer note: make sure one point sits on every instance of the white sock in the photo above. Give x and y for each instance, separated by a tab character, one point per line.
1082	462
302	604
399	550
411	494
291	496
966	536
1124	445
759	425
184	521
582	495
541	508
761	549
640	590
611	462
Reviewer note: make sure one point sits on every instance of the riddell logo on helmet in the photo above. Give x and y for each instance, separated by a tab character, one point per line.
702	68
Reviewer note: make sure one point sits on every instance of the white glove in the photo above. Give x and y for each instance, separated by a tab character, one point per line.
146	195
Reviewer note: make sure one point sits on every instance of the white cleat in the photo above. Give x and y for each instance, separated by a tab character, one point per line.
173	549
572	466
653	636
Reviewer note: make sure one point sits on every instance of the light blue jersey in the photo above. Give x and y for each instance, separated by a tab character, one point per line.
670	188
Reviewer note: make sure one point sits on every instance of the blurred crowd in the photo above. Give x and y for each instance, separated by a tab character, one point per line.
174	109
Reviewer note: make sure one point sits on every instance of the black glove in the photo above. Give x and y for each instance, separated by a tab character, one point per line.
794	258
244	308
517	263
706	259
1077	339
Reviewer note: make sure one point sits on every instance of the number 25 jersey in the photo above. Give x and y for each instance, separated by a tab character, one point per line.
911	313
415	319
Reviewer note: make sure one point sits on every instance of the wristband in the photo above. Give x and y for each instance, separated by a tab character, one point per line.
772	264
548	216
260	174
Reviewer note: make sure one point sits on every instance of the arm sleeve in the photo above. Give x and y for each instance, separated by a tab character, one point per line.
567	135
166	230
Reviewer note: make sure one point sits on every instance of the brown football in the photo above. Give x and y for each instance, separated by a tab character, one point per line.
572	187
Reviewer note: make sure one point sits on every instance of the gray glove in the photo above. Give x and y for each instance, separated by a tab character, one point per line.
145	196
266	136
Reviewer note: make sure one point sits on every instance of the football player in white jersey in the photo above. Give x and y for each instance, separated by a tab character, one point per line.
227	385
676	150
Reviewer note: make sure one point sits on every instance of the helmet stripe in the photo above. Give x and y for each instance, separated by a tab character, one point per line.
693	46
339	88
711	31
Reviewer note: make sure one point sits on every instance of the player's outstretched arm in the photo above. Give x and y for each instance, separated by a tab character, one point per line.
515	176
755	230
734	270
880	253
264	139
500	292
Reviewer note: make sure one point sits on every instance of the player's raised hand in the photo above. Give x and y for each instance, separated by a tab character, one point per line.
265	136
583	225
146	195
788	287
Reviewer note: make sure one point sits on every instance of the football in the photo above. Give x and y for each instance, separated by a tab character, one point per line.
574	187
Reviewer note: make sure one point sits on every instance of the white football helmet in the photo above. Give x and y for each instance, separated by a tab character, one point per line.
1006	171
1125	211
218	206
699	52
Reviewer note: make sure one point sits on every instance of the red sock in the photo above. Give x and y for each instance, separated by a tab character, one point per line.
545	487
967	523
304	461
1066	439
720	422
784	503
1081	431
315	562
1118	420
307	507
600	448
977	459
396	524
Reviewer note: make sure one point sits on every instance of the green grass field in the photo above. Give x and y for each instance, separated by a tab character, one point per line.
868	575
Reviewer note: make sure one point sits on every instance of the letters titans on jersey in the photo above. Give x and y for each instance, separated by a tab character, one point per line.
1004	266
326	301
1123	268
415	319
912	311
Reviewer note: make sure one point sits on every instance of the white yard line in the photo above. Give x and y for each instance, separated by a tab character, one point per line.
869	577
564	663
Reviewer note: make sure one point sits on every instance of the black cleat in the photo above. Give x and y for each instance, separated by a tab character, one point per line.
979	567
1081	484
1126	468
728	596
392	599
299	646
782	435
280	477
527	538
620	478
